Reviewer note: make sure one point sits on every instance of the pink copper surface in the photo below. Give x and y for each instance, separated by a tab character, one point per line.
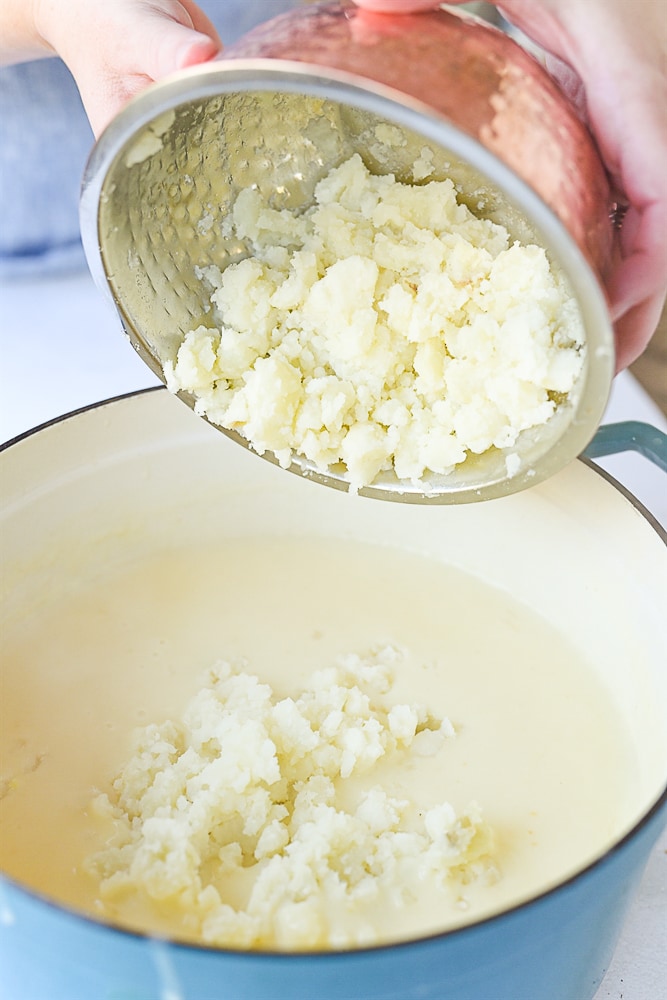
477	78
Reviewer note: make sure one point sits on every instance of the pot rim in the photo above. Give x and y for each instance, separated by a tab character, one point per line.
647	817
661	530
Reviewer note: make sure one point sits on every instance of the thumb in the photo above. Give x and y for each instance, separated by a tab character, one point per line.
171	46
128	45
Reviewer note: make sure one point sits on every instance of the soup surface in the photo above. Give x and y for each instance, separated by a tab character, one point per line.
538	744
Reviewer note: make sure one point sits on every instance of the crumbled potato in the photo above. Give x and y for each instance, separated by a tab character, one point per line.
386	328
252	791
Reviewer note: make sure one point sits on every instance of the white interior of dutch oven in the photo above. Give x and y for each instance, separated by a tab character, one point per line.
143	473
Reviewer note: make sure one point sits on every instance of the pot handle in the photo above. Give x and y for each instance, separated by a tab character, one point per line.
630	435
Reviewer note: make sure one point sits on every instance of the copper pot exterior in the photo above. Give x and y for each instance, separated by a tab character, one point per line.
476	77
295	98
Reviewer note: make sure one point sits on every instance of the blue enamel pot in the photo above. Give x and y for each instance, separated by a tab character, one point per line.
122	474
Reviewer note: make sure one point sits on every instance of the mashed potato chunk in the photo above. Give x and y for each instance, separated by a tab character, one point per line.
258	821
385	328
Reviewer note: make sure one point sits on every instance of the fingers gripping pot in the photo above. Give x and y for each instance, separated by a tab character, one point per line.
297	97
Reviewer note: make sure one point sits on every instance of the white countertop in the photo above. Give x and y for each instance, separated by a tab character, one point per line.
62	348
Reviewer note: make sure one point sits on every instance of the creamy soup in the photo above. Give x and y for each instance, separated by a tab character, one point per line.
538	744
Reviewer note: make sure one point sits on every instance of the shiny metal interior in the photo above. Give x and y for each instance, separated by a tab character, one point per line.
162	179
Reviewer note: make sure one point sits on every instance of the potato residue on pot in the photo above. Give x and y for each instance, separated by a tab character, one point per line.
258	822
384	328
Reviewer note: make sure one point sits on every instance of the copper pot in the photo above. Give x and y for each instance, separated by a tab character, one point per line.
294	98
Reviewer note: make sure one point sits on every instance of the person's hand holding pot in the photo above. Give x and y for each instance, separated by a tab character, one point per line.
113	50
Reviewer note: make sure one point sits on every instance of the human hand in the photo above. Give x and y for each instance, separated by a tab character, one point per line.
619	57
113	50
